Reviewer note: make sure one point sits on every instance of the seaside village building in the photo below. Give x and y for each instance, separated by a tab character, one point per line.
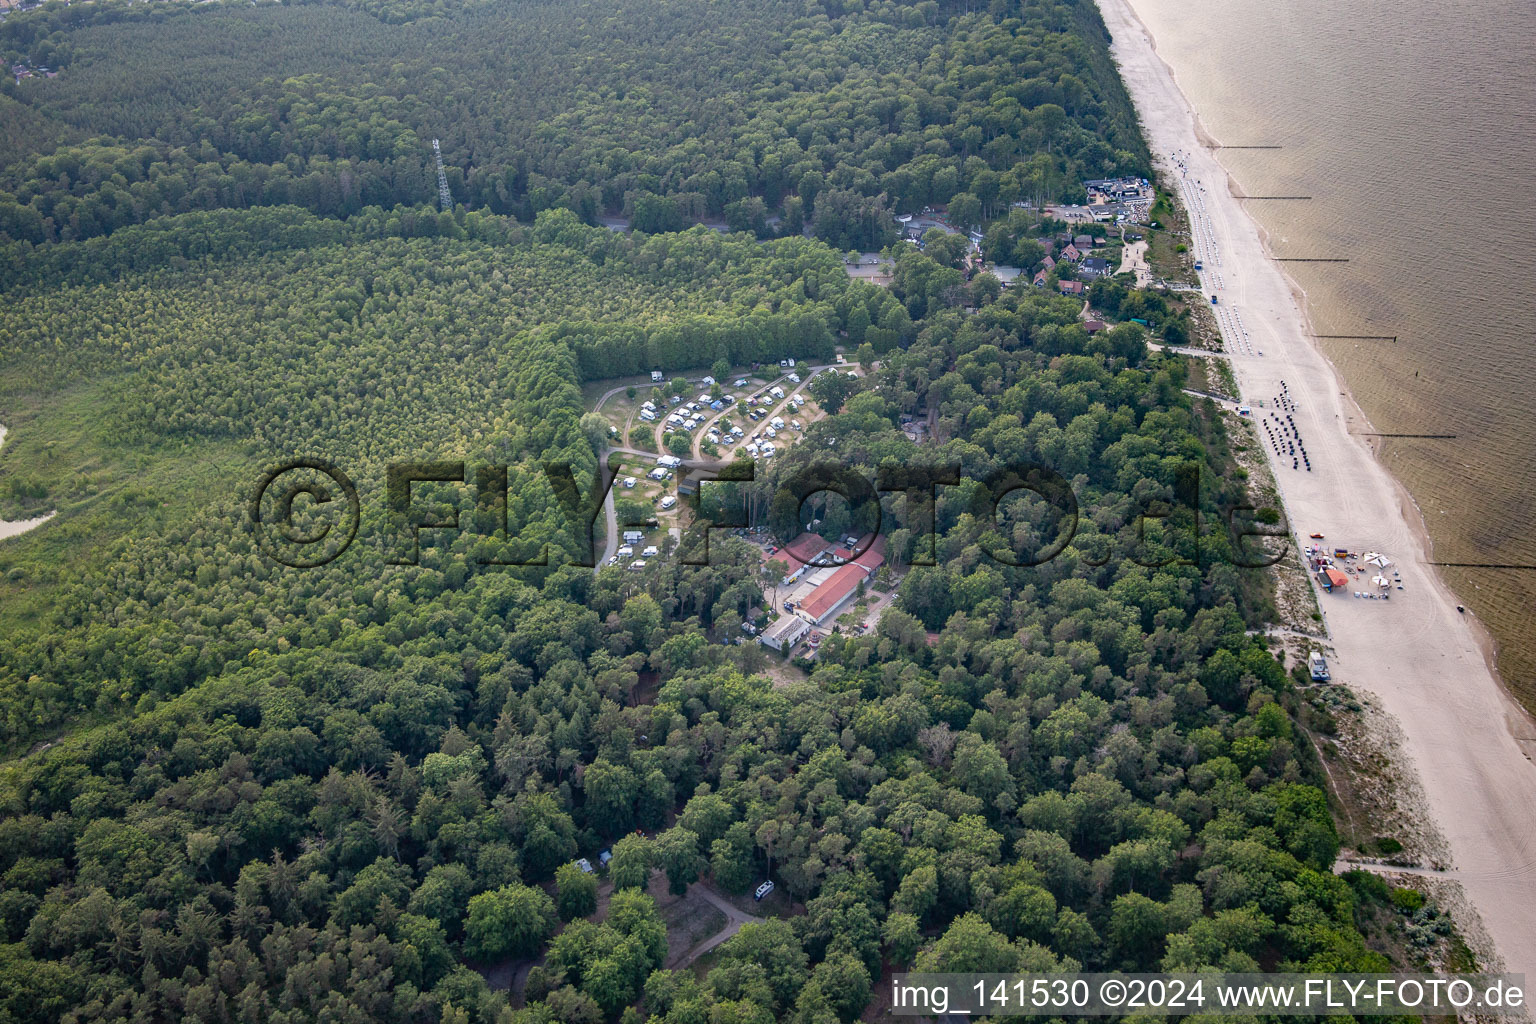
1119	199
822	591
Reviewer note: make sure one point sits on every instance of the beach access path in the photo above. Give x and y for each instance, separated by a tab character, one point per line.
1429	665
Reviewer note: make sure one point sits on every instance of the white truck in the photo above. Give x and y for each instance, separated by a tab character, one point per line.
1318	667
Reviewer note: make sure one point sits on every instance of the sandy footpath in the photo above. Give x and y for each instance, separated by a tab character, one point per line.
1428	664
20	526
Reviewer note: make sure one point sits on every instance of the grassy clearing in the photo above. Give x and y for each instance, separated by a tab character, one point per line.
690	920
1164	255
63	455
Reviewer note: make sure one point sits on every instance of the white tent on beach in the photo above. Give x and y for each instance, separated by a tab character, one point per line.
1381	581
1380	561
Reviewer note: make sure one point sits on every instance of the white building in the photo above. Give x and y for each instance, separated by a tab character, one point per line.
785	633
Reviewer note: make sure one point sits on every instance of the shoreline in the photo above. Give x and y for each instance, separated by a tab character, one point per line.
1412	511
1434	670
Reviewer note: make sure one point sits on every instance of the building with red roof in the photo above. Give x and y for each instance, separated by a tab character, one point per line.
826	599
802	550
874	555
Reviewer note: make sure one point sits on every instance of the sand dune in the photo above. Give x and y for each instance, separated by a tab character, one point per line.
1429	664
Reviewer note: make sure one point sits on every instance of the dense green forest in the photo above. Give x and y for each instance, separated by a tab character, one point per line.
793	107
235	791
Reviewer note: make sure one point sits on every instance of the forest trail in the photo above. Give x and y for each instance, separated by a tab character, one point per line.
734	919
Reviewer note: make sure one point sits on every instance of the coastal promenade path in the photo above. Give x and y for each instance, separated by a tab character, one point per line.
1429	665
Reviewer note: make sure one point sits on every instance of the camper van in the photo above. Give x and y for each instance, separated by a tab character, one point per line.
1317	667
669	501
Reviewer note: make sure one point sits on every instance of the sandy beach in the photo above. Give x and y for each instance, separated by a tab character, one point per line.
1429	665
